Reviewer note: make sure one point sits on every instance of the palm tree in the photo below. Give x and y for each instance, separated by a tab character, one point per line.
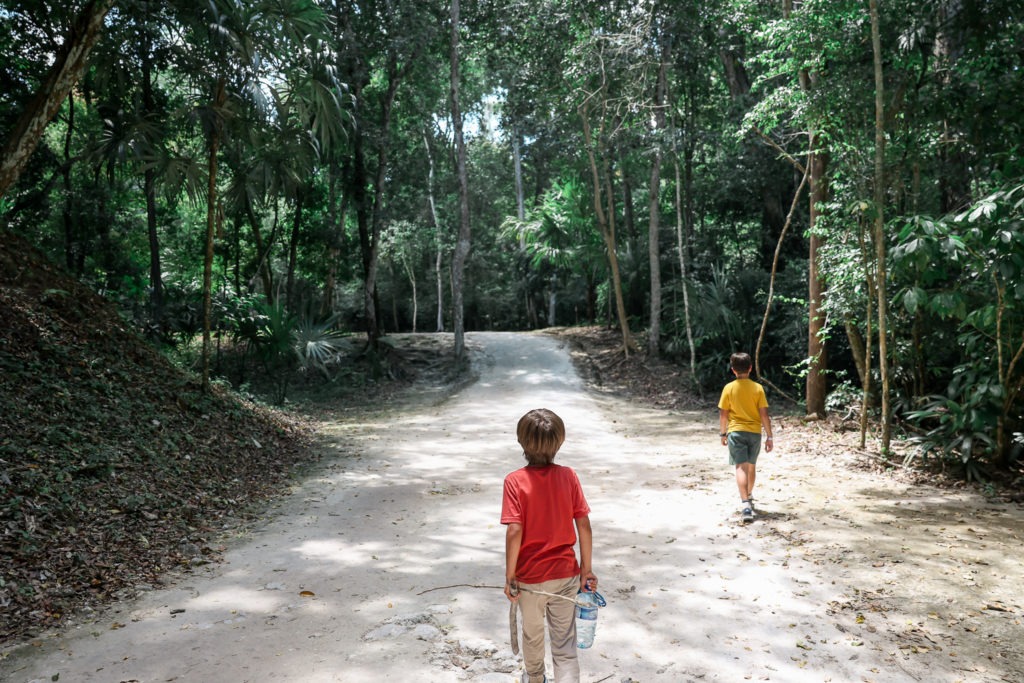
244	46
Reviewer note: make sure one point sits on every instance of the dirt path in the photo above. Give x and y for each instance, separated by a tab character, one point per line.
363	573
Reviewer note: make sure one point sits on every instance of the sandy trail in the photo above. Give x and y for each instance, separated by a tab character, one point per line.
376	568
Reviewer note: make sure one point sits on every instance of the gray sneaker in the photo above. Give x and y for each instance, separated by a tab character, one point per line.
748	515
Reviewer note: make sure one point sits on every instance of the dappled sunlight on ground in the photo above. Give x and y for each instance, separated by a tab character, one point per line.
386	563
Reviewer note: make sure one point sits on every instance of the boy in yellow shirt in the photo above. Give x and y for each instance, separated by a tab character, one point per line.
742	414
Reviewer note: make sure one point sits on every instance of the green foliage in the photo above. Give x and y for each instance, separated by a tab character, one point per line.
959	425
317	344
118	187
968	269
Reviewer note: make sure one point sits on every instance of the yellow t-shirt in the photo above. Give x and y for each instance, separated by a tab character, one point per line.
743	398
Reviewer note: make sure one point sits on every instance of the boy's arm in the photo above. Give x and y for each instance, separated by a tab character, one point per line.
586	536
513	542
723	425
766	424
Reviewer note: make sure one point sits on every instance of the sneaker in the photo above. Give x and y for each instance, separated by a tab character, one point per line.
750	502
748	515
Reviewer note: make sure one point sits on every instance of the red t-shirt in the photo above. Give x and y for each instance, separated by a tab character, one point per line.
545	501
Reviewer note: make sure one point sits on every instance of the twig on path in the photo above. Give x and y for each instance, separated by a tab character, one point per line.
605	678
457	585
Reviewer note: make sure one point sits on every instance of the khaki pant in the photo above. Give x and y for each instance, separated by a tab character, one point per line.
561	620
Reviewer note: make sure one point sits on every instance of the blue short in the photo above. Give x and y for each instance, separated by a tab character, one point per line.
744	447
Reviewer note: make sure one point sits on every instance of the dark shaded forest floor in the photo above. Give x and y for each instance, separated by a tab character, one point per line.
116	468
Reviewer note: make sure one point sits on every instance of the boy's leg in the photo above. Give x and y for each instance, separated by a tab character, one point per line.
743	451
533	607
742	479
746	472
562	630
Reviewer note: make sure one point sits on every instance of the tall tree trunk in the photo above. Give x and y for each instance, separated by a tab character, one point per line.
462	244
880	250
682	246
357	188
517	164
211	227
439	252
816	387
371	303
607	230
68	64
654	204
156	284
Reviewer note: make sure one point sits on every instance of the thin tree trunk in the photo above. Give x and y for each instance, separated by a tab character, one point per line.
517	163
262	254
654	206
358	180
607	232
628	220
880	187
67	210
463	243
236	244
395	76
336	218
552	299
682	246
411	273
211	226
293	251
775	268
68	64
872	292
156	296
439	253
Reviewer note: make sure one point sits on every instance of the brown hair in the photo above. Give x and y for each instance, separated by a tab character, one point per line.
740	362
540	433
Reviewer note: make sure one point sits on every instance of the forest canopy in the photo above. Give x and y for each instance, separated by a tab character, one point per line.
836	186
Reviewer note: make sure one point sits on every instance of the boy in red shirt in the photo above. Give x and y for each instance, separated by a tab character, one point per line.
542	503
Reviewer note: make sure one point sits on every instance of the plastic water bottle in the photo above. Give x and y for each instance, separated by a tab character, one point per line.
587	603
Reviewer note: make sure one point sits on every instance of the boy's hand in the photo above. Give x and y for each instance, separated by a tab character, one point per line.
512	590
725	440
588	581
769	444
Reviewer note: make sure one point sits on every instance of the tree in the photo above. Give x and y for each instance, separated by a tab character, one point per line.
598	101
69	62
879	224
462	244
244	43
654	203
